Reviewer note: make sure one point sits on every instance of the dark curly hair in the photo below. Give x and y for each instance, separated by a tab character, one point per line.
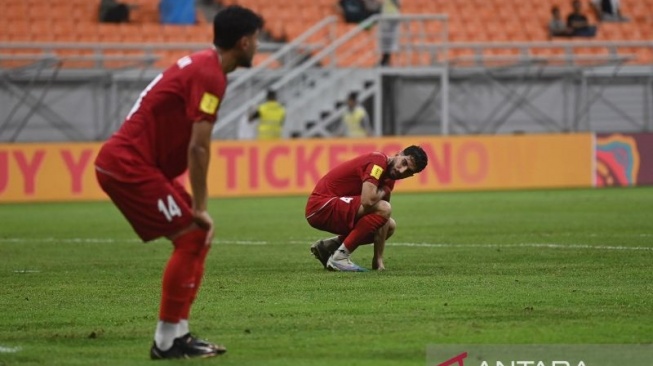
419	157
232	23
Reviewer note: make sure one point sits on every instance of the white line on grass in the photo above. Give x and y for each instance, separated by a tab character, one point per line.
9	349
308	241
523	245
520	245
110	241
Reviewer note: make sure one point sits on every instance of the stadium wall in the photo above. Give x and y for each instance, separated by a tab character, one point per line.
90	105
64	171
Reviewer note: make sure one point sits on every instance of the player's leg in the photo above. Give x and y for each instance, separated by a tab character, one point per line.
155	208
365	225
326	247
197	237
190	246
335	215
380	237
388	229
181	282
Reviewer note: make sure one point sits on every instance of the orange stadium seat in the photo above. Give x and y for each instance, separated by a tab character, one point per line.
86	32
470	21
147	32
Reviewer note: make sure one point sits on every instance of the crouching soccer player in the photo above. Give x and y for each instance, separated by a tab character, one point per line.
353	201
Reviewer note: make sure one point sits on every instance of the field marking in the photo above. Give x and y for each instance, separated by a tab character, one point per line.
10	349
111	240
520	245
309	241
523	245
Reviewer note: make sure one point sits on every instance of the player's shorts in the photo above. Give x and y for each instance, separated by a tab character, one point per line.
336	215
154	206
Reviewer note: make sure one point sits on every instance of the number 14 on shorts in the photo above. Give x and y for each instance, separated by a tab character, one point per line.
169	207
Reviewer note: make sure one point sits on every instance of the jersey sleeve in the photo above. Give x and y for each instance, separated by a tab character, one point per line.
375	170
205	94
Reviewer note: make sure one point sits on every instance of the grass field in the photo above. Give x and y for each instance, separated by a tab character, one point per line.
562	266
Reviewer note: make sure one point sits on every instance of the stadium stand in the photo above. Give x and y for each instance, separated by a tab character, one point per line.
480	39
69	21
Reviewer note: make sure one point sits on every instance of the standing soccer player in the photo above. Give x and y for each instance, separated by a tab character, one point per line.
353	201
168	131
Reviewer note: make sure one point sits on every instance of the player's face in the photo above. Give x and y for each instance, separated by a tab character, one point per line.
249	44
401	167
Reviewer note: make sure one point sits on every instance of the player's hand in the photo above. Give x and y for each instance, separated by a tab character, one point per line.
380	193
377	264
383	187
205	222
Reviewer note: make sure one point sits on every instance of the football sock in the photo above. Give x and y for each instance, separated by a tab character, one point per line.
341	253
199	275
369	239
365	226
182	328
165	334
179	277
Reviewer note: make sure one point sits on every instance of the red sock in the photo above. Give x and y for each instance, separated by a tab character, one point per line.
199	274
179	278
369	239
367	225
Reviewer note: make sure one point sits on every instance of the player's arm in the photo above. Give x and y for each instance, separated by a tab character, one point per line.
370	196
386	187
379	247
199	153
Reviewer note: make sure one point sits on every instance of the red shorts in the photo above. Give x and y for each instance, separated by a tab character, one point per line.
154	206
336	215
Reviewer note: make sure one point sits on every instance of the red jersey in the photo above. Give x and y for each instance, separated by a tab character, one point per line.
156	133
347	178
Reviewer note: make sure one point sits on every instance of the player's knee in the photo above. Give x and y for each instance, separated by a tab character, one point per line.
192	242
384	209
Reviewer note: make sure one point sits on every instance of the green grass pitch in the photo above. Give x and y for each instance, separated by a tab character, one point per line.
526	267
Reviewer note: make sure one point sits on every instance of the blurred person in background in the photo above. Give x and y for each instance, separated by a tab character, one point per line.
270	115
578	23
112	11
355	11
557	26
355	122
608	10
177	12
388	31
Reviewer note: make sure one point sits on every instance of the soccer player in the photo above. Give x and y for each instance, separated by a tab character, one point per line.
353	201
168	131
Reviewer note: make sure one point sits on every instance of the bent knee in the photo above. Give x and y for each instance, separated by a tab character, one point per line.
383	208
